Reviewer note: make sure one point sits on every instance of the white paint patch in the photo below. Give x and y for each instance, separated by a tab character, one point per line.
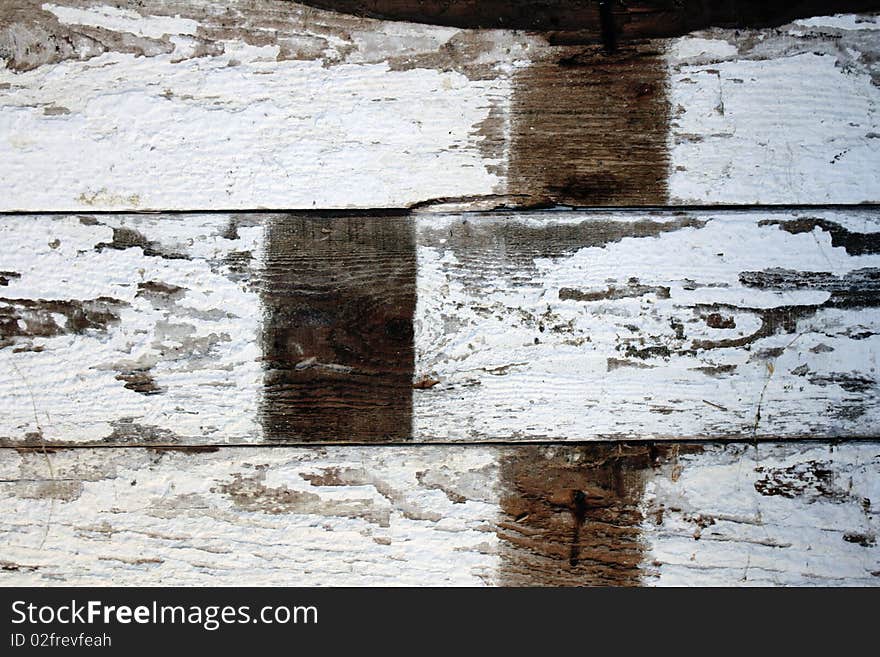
780	128
815	524
199	345
783	118
123	20
146	519
690	48
841	22
148	133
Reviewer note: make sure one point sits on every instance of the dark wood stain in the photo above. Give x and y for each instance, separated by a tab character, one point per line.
855	243
813	481
480	238
339	295
22	319
859	288
855	290
185	449
590	20
589	127
614	292
6	276
140	380
129	238
572	514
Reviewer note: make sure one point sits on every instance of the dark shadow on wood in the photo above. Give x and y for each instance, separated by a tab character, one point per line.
633	19
339	296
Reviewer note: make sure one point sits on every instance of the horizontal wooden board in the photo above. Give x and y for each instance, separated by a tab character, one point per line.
563	325
591	20
201	104
783	514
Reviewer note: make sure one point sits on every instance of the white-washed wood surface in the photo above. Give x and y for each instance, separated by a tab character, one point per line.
117	298
152	329
644	325
784	514
191	332
200	104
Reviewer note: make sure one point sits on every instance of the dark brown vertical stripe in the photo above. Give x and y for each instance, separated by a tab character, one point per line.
572	514
590	127
339	296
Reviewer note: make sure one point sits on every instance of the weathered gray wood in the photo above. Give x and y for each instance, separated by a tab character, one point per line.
783	514
189	332
201	104
248	328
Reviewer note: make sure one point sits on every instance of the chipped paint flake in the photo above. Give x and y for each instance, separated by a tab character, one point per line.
123	20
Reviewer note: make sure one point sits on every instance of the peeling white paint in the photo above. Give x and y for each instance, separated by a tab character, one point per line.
690	48
490	327
726	534
842	22
202	134
282	517
314	109
201	349
123	20
793	122
515	361
175	523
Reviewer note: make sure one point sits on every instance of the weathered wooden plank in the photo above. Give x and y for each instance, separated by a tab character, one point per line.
155	318
639	19
802	514
248	328
586	325
196	104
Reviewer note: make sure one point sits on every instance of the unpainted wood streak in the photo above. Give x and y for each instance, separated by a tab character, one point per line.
576	514
590	128
795	514
338	301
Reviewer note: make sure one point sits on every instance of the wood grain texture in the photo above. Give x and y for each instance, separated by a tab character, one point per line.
278	105
338	304
795	514
117	298
251	328
591	128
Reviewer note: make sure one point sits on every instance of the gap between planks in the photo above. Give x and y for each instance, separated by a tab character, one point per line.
441	207
51	447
